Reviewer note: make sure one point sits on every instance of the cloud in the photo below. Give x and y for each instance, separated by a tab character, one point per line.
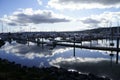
90	21
101	20
83	4
12	24
39	2
28	16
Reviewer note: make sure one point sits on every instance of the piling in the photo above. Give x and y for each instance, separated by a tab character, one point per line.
90	43
74	48
38	41
81	41
117	55
42	43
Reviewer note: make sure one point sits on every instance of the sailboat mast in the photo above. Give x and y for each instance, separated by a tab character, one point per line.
2	27
118	26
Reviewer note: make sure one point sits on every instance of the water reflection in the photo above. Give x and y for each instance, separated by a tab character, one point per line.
97	62
98	66
31	55
25	49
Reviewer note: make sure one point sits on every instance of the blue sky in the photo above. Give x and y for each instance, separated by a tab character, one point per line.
58	15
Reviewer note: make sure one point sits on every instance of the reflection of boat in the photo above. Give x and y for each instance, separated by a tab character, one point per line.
51	48
49	43
52	44
21	41
51	39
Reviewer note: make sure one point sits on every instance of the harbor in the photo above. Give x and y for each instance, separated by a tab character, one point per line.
60	40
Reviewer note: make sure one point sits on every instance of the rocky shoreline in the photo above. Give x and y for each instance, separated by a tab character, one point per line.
12	71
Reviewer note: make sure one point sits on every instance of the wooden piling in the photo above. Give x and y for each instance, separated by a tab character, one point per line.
42	43
90	43
38	42
74	48
28	41
117	55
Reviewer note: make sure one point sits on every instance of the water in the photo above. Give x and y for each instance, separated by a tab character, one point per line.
85	61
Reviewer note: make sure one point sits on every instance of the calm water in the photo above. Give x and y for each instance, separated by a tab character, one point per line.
97	62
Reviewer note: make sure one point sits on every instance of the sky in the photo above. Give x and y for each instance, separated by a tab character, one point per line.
58	15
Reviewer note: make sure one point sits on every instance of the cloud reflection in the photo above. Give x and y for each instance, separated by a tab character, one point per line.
32	50
97	66
77	60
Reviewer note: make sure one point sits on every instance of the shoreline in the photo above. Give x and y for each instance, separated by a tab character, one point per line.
13	71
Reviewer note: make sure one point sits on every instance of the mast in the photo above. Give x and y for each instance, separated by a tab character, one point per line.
2	27
118	27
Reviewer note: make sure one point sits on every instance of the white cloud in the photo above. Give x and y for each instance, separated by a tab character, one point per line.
28	16
39	2
24	17
83	4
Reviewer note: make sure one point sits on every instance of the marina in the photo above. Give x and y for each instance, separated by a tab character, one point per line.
74	40
60	40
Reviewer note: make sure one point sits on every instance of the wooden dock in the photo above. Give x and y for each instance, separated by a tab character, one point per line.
60	43
90	47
